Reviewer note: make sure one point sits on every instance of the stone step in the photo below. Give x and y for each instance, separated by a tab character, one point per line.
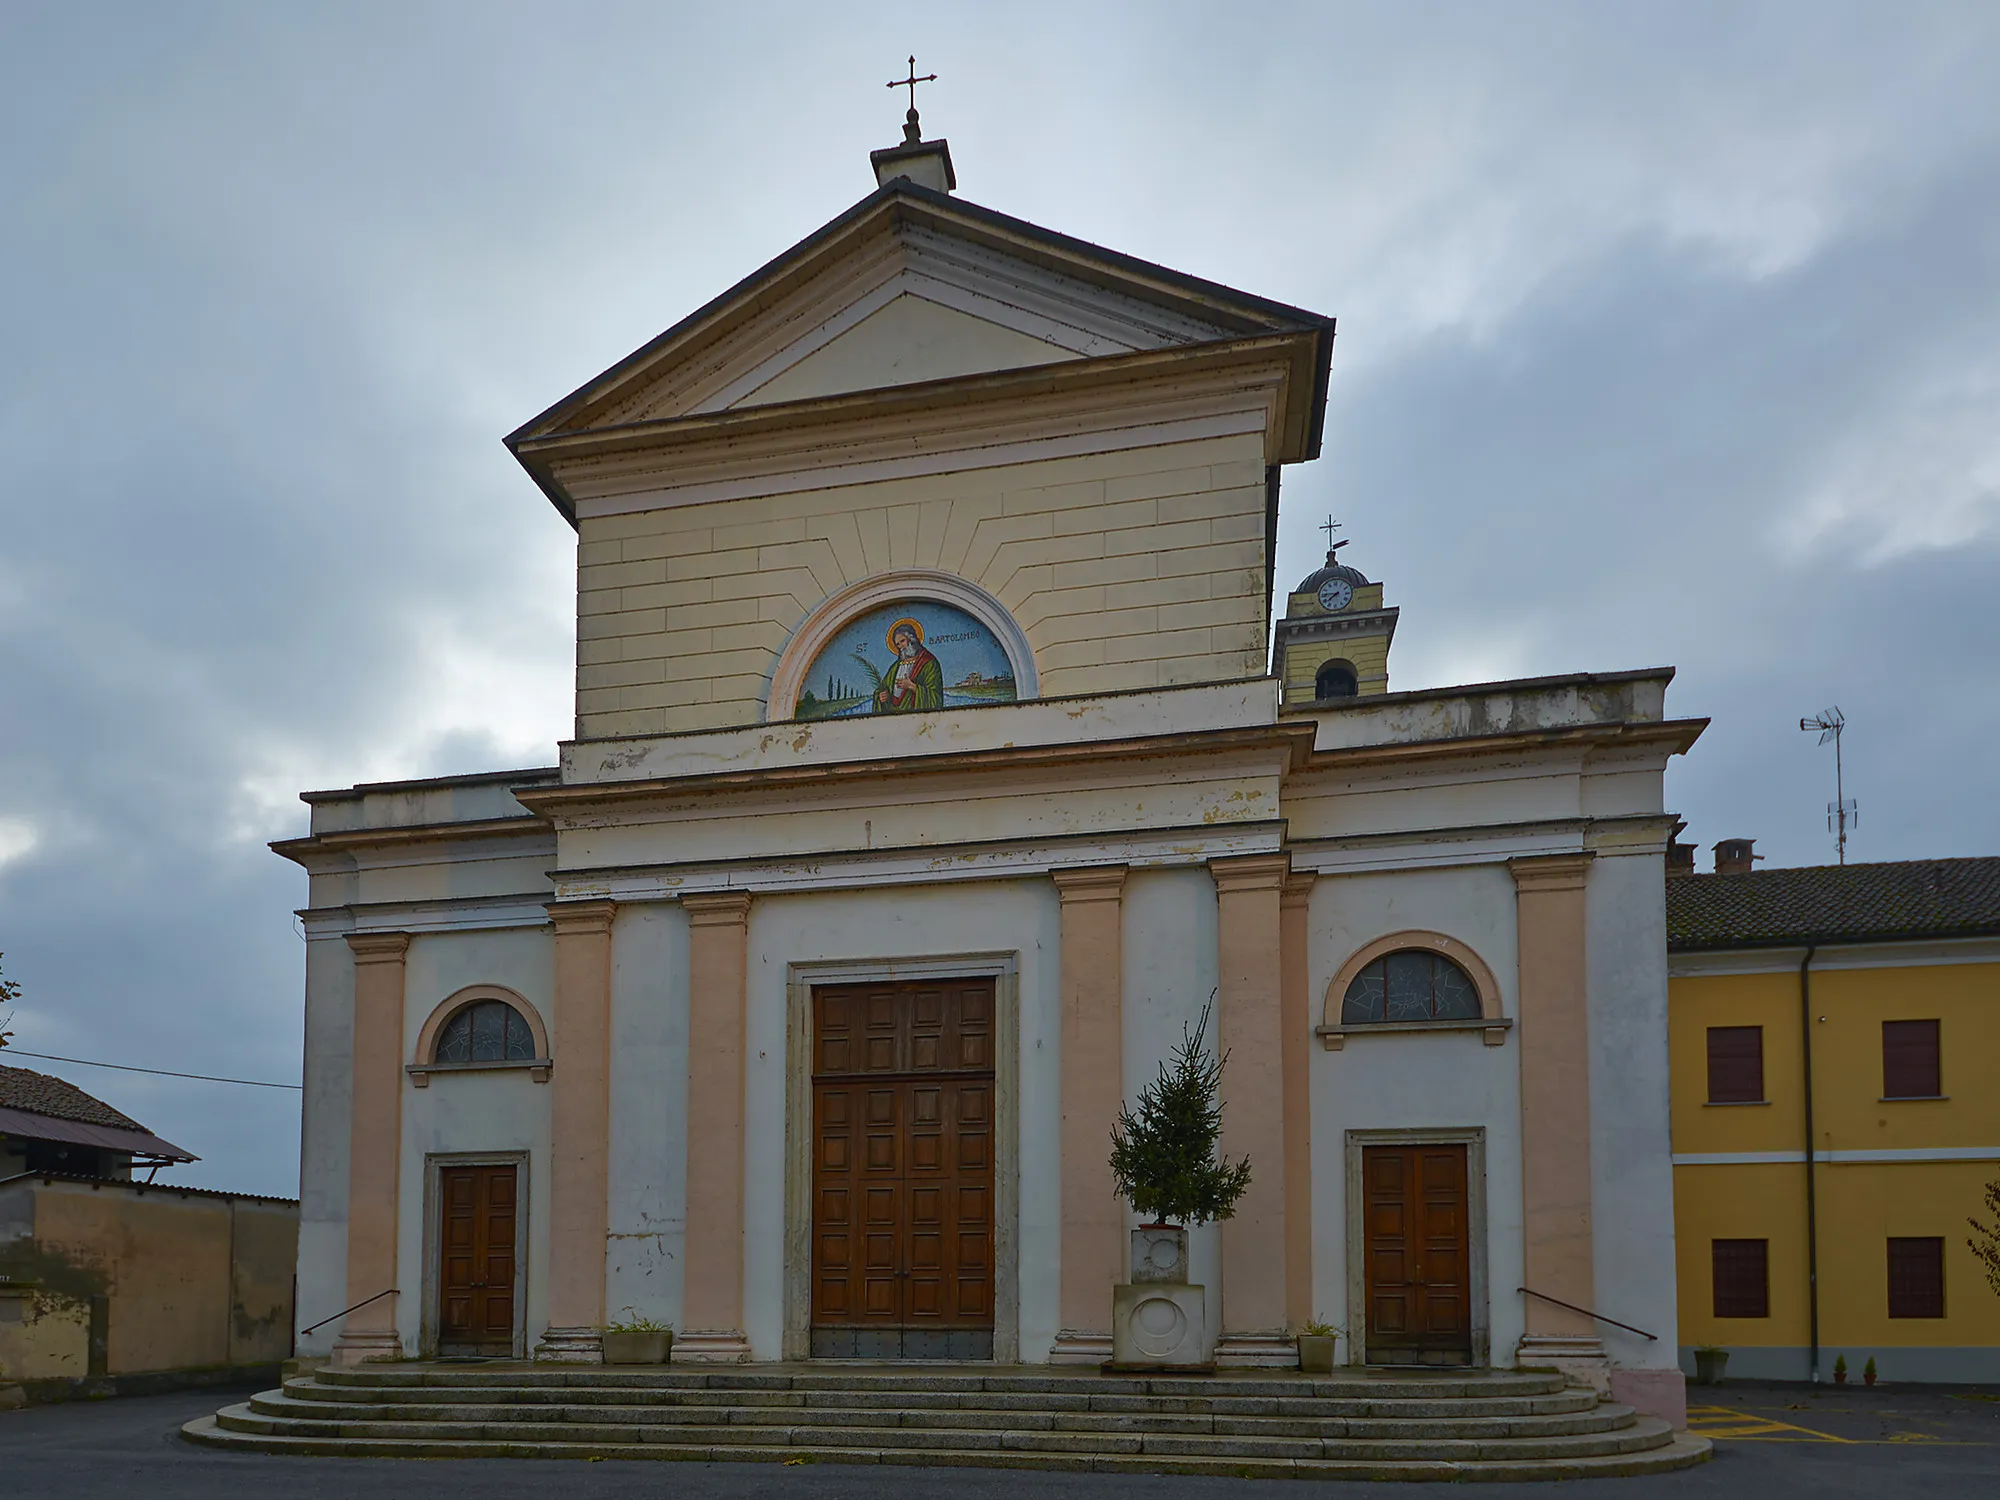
1155	1455
1585	1419
1364	1401
1414	1444
822	1377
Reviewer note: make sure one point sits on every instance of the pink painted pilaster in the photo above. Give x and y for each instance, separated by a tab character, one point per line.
718	975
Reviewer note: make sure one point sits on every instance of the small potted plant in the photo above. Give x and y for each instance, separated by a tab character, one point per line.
1711	1362
637	1341
1840	1369
1868	1371
1317	1342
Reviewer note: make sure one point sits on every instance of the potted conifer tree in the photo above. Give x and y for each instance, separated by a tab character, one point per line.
1165	1163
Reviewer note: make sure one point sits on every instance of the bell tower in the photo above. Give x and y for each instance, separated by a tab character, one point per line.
1334	639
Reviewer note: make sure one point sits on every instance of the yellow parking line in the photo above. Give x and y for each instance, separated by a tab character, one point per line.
1722	1422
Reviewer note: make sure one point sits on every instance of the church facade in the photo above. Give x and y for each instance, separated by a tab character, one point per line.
933	769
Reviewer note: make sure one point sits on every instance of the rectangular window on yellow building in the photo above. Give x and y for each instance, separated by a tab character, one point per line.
1910	1067
1916	1278
1735	1065
1742	1278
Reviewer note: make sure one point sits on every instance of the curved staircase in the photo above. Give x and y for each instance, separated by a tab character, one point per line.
1361	1425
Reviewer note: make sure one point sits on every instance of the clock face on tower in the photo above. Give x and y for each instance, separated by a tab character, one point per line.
1334	594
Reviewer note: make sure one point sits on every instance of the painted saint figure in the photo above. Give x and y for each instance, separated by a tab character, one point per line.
916	681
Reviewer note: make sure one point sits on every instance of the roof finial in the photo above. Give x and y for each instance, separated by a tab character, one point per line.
912	132
1330	526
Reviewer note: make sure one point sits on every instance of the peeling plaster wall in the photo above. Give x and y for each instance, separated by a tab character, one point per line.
474	1112
649	1074
1448	1080
1016	916
1171	925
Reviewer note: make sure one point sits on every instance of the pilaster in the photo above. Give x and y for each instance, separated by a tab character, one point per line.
718	978
1093	1088
375	1146
1555	1116
580	1132
1295	931
1250	1028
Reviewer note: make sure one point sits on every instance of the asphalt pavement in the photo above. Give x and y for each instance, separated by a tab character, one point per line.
1772	1443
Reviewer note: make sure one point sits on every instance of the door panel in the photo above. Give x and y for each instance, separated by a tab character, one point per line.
1417	1259
477	1208
903	1170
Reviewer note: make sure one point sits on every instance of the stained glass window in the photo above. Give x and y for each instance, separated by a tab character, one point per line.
1410	985
486	1031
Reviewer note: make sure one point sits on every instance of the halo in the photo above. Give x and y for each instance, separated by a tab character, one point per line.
889	640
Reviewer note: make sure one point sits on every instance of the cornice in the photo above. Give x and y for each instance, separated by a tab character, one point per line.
1673	736
339	840
1292	739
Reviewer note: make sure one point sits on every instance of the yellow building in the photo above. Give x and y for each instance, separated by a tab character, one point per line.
1856	1006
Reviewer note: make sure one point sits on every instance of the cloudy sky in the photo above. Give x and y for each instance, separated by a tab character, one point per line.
1668	334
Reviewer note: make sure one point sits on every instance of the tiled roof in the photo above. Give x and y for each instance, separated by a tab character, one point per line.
1907	899
39	1094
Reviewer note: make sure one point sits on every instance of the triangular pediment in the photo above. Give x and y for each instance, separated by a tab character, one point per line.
910	286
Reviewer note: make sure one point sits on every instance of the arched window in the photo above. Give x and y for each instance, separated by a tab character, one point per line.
1336	680
485	1031
1410	985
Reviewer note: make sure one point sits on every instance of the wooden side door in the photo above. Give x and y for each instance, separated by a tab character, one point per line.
1417	1255
903	1169
477	1207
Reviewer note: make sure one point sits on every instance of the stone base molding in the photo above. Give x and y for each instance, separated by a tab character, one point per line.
1076	1347
365	1345
1582	1360
1265	1351
570	1346
724	1346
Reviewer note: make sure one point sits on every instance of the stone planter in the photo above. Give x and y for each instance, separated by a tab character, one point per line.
1710	1366
1316	1353
1159	1254
638	1348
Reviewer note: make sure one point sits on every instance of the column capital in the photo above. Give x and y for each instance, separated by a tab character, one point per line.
1251	872
1092	883
581	916
378	947
1550	872
1297	890
717	908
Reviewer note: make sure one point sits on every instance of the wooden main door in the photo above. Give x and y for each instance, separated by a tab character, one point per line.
902	1257
476	1260
1419	1279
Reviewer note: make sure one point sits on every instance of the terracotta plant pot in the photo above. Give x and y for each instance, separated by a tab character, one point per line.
638	1348
1840	1377
1867	1377
1316	1353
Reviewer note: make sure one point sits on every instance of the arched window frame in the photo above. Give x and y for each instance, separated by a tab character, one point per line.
1491	1020
788	679
421	1068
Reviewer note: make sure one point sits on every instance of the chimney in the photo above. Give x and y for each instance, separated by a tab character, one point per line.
1733	856
926	163
1680	856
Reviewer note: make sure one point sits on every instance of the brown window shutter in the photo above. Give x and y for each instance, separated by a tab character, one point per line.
1742	1278
1916	1278
1910	1060
1735	1064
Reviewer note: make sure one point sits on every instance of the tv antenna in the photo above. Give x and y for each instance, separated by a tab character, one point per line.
1841	813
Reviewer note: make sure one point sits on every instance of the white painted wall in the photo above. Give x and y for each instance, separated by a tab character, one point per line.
1020	917
649	1073
1410	1081
475	1111
1170	969
1631	1171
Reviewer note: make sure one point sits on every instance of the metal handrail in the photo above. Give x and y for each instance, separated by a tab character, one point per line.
1527	1292
389	1292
